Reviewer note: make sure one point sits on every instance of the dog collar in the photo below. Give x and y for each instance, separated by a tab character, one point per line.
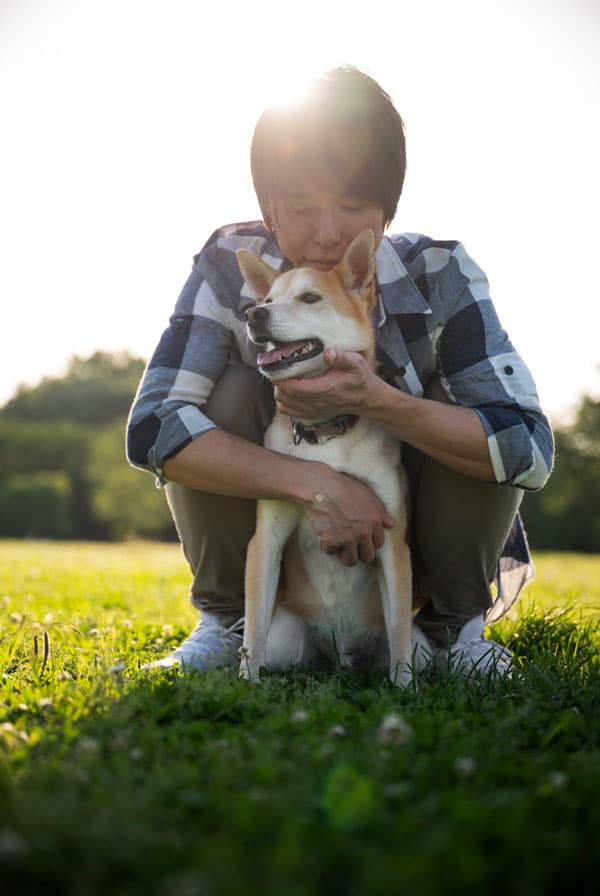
318	433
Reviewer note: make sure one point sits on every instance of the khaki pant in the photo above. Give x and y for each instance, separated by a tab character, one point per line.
458	529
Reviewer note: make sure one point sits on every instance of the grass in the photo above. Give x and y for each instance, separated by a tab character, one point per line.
191	785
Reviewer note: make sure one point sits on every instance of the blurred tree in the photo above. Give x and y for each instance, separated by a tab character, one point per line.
62	445
123	500
28	448
36	505
94	390
565	515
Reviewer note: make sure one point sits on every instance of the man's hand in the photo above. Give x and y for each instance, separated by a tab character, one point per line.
343	389
348	518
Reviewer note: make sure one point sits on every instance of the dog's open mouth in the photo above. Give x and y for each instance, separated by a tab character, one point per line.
285	354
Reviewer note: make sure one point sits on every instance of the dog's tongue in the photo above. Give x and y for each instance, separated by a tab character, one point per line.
263	359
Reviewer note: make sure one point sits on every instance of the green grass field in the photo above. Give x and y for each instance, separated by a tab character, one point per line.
189	785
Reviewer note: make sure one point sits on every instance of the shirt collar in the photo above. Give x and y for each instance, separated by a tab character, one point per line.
397	290
398	293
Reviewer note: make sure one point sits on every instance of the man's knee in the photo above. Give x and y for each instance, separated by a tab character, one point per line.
241	402
457	517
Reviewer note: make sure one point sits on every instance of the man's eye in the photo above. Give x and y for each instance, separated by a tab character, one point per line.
300	210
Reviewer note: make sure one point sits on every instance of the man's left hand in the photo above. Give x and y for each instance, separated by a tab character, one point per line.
343	389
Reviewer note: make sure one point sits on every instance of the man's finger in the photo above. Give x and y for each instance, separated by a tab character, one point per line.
378	538
348	556
366	551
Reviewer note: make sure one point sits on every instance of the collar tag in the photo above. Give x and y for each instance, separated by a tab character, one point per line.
318	433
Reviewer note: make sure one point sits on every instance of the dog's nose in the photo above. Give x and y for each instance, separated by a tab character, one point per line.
256	313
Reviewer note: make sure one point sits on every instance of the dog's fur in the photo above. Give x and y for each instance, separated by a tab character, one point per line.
358	616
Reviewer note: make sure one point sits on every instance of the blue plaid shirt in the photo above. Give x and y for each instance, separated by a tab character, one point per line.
434	317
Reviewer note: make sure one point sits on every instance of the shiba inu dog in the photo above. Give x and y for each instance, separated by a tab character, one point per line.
327	613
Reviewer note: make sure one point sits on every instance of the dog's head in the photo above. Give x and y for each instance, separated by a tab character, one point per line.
302	312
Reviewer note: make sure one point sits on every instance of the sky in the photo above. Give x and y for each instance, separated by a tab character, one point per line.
126	127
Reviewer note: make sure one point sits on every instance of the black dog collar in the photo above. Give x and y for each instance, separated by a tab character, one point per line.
317	433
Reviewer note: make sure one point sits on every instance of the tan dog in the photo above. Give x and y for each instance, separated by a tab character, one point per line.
358	616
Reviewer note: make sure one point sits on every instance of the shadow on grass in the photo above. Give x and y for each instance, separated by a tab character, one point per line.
201	784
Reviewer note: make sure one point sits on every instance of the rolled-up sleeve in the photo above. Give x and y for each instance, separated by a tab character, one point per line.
167	411
481	369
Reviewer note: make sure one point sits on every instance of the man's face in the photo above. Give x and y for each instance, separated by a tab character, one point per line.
315	227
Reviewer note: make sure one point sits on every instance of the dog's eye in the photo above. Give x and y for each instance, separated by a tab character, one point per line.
309	298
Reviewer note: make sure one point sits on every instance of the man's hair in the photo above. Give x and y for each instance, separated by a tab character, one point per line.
344	134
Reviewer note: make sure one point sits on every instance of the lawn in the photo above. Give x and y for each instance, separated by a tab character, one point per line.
127	784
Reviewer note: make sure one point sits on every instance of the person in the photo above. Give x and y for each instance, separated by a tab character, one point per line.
449	385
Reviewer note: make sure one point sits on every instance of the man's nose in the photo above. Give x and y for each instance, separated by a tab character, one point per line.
328	232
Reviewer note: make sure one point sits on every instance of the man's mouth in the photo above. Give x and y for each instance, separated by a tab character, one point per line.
286	354
322	264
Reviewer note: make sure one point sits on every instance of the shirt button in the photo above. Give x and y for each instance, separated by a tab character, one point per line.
401	371
508	370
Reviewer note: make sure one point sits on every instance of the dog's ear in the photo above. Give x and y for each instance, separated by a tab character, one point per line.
257	273
357	267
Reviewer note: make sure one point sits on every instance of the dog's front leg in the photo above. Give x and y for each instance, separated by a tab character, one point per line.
395	586
275	521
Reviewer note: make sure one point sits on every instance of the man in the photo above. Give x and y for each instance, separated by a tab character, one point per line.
451	387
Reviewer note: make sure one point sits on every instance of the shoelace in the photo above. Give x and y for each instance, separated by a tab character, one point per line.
231	635
235	632
494	654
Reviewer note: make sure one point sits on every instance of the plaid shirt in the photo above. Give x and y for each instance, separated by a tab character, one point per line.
435	316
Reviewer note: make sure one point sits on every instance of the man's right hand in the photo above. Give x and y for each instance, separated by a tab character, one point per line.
348	518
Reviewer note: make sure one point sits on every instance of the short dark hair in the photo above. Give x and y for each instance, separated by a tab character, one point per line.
345	134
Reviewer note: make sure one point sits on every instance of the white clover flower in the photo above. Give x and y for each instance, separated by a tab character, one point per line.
88	745
394	730
465	765
8	729
299	716
337	731
12	844
557	780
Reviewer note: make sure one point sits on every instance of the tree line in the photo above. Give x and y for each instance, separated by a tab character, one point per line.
64	474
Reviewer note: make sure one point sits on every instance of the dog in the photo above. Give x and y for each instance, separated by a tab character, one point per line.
326	613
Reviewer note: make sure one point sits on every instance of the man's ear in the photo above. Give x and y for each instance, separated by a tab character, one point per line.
257	273
357	267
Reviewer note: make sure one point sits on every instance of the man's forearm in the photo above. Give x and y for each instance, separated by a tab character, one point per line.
225	464
449	433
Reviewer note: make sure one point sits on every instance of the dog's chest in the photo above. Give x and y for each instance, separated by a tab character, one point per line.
366	452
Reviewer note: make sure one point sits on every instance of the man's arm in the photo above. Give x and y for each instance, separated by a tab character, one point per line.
346	515
451	434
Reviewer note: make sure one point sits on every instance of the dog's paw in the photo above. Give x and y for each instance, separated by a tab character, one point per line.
248	674
248	669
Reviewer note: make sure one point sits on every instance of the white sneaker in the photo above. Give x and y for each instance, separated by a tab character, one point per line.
210	645
474	654
422	649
